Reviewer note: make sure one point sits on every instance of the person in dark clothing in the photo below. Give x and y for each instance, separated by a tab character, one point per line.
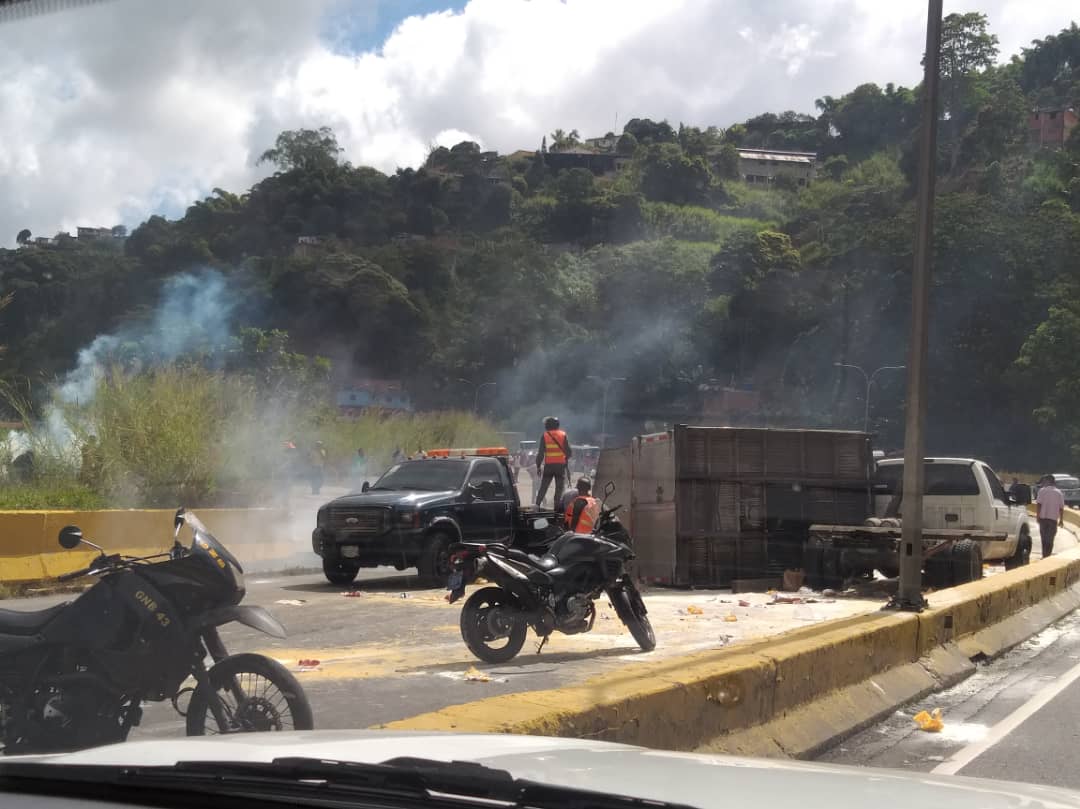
553	454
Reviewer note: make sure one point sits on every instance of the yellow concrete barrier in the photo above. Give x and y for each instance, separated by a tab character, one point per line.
789	693
29	550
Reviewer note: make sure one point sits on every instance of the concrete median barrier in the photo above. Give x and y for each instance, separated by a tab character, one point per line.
29	550
795	693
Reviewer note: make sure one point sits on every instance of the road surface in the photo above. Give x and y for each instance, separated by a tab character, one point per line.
395	650
1017	719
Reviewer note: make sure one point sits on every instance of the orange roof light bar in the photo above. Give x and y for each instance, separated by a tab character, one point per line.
465	453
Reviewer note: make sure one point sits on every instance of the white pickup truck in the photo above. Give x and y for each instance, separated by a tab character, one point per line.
968	517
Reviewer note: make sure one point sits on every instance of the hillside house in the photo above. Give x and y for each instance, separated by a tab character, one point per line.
373	394
1050	128
763	166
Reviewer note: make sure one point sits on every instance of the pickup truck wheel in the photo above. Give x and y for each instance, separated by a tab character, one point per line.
967	561
1023	551
340	572
434	564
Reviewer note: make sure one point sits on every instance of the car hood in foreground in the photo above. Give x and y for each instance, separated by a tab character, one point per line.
703	781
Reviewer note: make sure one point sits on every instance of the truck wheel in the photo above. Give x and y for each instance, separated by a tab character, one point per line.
812	557
1023	551
340	572
434	564
937	571
967	561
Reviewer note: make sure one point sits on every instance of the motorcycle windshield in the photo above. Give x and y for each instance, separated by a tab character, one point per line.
206	546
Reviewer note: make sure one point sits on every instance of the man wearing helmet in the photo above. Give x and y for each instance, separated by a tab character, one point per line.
553	454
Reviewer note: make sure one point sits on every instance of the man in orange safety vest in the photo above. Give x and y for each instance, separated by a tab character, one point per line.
553	454
583	511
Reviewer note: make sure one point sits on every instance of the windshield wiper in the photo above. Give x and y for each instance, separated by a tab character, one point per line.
285	779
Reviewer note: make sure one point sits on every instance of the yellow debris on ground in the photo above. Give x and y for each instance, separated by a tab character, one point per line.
930	722
474	675
694	609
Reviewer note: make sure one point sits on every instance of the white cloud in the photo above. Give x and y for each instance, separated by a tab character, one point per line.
115	111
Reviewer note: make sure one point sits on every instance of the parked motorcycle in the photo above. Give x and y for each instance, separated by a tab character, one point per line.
75	675
552	592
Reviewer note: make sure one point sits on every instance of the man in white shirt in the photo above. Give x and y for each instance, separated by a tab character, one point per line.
1051	512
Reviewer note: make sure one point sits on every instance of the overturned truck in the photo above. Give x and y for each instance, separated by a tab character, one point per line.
732	507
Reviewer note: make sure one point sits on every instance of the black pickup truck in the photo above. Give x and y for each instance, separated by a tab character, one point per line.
412	514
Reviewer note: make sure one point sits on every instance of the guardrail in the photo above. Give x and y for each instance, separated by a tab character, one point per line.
29	550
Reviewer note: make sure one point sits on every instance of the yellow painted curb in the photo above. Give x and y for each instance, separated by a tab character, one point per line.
861	663
29	550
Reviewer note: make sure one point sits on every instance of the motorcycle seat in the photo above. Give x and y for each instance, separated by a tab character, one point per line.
546	562
20	622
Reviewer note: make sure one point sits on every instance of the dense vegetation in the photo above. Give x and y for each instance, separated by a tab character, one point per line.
669	272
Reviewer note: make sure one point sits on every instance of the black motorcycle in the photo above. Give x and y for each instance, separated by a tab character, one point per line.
75	675
553	592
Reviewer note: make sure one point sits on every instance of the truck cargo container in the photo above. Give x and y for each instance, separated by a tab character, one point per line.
717	506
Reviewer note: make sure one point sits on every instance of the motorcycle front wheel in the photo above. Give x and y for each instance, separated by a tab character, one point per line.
631	611
488	617
255	694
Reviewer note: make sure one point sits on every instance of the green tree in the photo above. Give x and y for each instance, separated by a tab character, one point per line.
967	50
308	150
670	175
24	236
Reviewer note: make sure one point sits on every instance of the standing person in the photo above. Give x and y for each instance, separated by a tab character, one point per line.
553	454
582	511
1051	504
359	468
317	466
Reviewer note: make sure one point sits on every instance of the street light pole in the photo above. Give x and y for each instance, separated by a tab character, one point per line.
607	383
477	389
909	592
869	384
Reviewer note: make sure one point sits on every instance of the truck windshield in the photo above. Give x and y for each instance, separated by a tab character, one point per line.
423	476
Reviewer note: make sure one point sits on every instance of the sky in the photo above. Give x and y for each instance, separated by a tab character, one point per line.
116	110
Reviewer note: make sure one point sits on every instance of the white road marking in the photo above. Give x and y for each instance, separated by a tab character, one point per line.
956	762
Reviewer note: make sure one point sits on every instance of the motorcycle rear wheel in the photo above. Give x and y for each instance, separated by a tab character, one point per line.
631	611
488	615
256	693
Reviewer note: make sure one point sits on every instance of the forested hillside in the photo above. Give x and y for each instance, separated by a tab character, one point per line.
670	271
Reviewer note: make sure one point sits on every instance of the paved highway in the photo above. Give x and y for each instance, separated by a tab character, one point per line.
1017	718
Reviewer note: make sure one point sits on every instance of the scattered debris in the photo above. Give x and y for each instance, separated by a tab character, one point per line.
731	618
779	599
930	722
474	675
829	593
404	595
694	609
743	603
292	602
353	594
308	664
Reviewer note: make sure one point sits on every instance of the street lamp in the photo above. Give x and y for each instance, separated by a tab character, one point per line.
869	384
607	382
476	396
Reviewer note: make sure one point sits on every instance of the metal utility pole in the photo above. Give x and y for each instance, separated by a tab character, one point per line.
607	382
869	384
476	396
909	594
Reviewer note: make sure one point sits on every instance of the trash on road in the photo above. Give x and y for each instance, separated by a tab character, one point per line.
694	609
308	664
291	602
353	594
930	722
731	618
743	603
474	675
